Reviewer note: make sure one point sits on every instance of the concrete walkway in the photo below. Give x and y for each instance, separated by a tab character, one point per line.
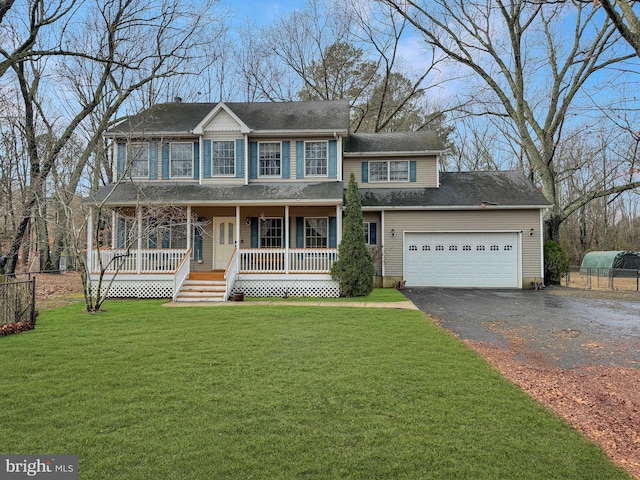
408	305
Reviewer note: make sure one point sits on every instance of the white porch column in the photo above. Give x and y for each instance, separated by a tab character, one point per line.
114	226
90	241
286	239
237	235
188	227
139	256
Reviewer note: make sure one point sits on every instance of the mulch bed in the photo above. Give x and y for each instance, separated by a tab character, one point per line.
601	402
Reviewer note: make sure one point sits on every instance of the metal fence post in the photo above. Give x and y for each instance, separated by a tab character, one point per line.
33	302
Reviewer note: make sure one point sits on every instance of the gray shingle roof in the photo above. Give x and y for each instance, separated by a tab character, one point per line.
191	194
393	142
507	189
180	117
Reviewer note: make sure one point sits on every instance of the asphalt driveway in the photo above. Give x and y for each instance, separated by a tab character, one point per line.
543	326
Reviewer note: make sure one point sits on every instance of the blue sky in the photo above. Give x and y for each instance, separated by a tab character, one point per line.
262	11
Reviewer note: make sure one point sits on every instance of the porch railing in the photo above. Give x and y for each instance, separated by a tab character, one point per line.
231	273
297	260
181	273
151	260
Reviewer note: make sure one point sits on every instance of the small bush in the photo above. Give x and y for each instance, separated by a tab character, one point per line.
556	262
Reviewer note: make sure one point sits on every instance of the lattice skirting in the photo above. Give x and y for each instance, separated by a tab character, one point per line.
140	289
291	288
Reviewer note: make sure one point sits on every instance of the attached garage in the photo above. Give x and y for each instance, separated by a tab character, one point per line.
462	259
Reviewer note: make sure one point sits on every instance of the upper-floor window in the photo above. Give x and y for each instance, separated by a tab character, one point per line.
223	156
181	159
316	232
389	171
269	159
315	158
138	158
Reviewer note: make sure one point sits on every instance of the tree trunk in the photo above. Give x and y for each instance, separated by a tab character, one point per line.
42	232
552	226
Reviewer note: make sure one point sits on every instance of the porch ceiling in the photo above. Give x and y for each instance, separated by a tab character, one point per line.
129	194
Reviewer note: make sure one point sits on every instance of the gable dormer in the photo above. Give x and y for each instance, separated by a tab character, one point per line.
221	119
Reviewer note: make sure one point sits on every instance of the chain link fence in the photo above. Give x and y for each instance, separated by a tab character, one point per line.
603	279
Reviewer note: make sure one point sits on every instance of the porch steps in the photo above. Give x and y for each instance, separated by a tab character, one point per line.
203	287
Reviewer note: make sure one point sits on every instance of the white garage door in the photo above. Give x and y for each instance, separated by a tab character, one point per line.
476	259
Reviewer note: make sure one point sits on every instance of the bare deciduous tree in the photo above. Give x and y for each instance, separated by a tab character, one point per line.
107	51
532	62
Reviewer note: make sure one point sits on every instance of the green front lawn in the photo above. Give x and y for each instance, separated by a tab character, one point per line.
143	391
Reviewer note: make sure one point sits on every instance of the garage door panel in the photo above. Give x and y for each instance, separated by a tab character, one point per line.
482	259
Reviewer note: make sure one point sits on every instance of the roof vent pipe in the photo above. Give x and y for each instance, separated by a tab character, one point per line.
177	99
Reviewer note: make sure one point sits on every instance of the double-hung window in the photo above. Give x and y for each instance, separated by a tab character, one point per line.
181	160
271	233
269	159
389	171
315	159
223	155
316	232
138	158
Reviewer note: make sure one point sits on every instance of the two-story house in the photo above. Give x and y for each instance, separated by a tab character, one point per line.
213	198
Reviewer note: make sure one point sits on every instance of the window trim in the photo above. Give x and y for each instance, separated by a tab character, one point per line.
326	159
130	166
233	159
279	143
388	162
171	176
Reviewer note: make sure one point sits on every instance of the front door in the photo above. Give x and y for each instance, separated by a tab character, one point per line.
224	241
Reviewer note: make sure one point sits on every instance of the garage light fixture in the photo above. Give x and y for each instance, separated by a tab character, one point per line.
393	232
531	232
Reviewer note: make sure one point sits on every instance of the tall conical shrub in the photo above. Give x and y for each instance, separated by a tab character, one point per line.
354	268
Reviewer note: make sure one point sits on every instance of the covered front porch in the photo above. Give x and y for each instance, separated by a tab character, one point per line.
209	252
